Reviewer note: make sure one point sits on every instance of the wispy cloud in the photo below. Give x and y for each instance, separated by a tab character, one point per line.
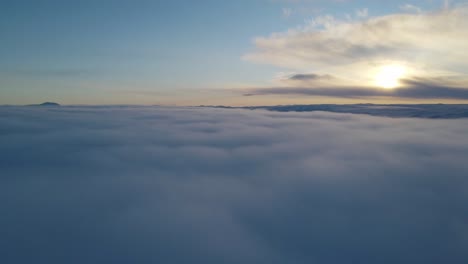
287	12
362	13
411	8
52	72
326	41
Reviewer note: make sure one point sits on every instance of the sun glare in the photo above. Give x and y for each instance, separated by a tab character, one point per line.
389	76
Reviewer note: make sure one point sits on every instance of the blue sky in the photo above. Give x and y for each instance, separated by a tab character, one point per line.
159	52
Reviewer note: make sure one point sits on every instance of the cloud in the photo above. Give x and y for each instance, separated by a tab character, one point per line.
429	43
309	77
195	185
47	73
411	8
414	88
434	111
362	13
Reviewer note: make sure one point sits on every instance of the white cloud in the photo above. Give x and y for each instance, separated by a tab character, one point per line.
362	13
189	185
411	8
430	44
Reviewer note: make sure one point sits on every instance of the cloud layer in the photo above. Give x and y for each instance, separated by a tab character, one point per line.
314	85
196	185
434	111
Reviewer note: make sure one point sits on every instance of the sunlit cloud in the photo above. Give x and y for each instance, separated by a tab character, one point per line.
374	51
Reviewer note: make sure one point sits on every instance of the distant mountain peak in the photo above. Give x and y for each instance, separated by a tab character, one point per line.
46	104
50	104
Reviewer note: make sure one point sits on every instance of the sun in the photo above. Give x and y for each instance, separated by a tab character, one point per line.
389	76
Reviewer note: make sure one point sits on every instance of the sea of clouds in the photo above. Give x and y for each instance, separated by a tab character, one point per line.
203	185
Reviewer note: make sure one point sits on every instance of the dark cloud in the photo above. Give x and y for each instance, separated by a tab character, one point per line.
424	88
200	185
415	88
439	111
310	77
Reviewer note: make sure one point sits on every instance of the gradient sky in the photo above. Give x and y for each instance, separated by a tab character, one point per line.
243	52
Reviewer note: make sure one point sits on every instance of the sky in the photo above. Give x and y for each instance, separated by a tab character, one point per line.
244	52
128	170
